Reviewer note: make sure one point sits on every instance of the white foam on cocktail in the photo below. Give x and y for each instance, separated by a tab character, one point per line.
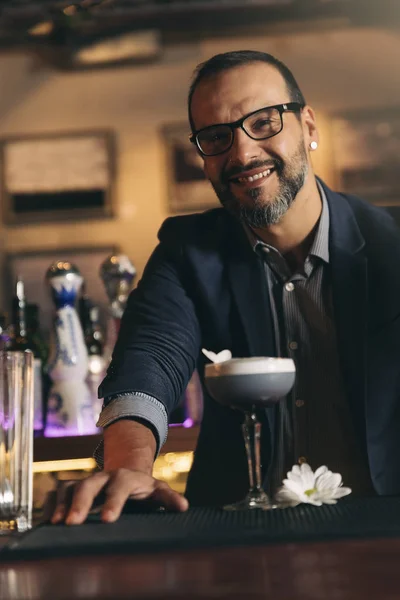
254	365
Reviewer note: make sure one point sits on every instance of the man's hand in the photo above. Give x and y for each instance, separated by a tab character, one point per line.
117	486
129	449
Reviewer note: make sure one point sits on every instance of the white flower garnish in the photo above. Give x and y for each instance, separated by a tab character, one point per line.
222	356
302	485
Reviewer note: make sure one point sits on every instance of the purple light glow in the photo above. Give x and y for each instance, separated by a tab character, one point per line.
68	431
186	423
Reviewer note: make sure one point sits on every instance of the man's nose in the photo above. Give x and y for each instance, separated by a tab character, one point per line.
244	148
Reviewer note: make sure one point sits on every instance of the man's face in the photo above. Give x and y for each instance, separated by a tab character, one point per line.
281	162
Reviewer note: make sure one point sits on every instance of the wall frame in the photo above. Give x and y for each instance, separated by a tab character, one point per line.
188	188
57	177
366	146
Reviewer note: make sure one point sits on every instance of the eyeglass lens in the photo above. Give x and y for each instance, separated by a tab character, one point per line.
260	125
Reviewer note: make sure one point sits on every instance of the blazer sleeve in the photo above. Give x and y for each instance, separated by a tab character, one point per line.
159	338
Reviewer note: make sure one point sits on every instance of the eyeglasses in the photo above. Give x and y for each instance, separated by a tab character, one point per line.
260	124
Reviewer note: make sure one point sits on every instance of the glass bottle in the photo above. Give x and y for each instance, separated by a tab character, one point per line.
89	315
20	342
5	337
40	350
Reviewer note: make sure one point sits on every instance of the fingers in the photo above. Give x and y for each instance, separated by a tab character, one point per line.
63	501
166	496
120	488
85	493
75	500
139	486
49	505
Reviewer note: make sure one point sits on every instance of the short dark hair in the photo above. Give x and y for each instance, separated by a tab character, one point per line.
229	60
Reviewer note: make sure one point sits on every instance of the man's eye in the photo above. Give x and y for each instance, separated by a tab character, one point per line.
219	135
215	136
262	123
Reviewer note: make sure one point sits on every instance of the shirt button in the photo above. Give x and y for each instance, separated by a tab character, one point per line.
293	345
266	250
289	287
302	460
299	403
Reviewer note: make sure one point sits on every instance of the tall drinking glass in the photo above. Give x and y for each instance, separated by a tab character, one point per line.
16	441
249	385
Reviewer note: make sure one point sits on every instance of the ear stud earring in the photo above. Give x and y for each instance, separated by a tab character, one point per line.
313	145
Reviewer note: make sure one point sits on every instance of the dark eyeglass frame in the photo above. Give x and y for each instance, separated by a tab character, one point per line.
281	108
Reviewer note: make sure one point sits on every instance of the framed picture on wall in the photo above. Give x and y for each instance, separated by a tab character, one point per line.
57	177
367	155
32	266
188	189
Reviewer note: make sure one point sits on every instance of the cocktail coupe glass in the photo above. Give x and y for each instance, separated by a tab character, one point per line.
248	384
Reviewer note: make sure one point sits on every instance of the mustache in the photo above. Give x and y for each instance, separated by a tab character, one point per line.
236	171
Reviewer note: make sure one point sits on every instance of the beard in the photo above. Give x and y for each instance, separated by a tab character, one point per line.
259	212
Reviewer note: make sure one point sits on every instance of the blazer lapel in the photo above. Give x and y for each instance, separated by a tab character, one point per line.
349	285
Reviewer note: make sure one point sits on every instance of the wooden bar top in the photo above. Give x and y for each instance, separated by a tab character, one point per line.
341	570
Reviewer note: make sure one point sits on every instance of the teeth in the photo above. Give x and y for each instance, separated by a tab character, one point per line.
254	177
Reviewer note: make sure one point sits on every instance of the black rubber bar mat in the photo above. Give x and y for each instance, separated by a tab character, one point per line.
206	527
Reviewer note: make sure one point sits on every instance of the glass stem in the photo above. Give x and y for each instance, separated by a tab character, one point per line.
252	435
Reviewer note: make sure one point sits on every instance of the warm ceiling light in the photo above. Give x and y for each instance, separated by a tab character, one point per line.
130	46
69	10
43	28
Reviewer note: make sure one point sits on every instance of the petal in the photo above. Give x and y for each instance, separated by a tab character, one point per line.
209	354
342	491
295	470
295	477
288	503
307	476
336	480
293	486
286	491
305	469
328	481
309	499
324	477
313	500
223	356
286	497
320	471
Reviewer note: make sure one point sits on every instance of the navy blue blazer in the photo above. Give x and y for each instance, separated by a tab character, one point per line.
204	287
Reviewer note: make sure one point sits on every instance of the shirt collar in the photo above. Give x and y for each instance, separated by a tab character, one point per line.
320	245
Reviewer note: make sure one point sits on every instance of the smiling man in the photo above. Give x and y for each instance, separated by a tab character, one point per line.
286	267
254	130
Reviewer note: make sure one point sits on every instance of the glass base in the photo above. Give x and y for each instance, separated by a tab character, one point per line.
253	500
12	525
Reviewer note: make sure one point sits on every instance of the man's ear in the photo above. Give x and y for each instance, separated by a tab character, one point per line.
309	124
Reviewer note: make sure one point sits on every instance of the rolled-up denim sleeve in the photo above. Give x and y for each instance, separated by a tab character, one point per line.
135	405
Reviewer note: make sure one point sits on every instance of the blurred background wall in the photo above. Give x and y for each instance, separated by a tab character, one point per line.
339	67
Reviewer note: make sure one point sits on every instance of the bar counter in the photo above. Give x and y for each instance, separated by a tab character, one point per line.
350	551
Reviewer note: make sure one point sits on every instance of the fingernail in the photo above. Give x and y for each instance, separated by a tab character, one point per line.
109	516
57	516
72	518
